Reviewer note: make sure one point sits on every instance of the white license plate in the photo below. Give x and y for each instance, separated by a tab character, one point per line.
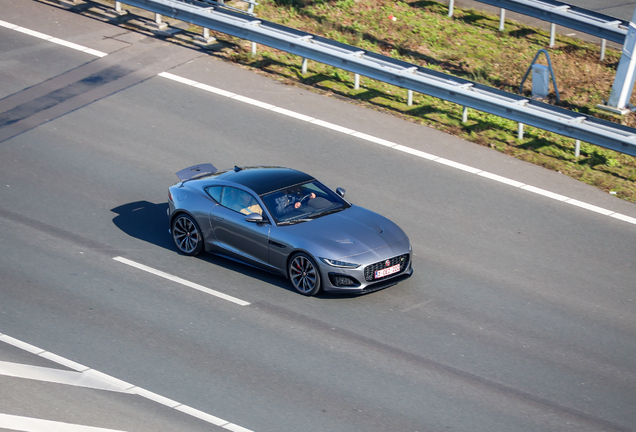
387	271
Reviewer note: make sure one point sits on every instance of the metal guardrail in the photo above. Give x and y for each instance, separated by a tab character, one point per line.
401	74
566	15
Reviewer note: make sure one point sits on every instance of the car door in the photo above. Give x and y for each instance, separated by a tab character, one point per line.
239	238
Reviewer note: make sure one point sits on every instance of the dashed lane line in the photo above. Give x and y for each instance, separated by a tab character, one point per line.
345	130
181	281
93	376
52	39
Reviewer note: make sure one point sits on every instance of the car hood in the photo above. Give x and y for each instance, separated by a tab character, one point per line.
348	233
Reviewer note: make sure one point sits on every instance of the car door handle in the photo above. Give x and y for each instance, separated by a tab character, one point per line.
217	218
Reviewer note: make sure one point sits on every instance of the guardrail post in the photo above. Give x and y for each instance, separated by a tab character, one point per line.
502	19
409	97
577	148
603	44
465	114
451	5
205	40
624	81
356	82
520	132
552	34
158	21
253	48
303	69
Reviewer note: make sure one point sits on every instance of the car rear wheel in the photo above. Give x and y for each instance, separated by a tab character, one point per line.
187	235
304	274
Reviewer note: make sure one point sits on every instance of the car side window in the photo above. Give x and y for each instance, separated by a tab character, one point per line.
240	201
215	192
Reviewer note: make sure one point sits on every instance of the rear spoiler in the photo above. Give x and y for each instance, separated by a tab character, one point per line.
196	171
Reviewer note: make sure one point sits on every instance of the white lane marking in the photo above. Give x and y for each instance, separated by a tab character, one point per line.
201	415
129	388
344	130
624	218
589	207
414	152
501	179
58	376
181	281
214	90
545	193
458	165
253	102
28	424
374	139
332	126
293	114
52	39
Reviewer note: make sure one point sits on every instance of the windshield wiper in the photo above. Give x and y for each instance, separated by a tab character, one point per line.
327	212
293	221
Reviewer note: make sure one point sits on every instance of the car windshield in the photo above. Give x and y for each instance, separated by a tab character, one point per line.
301	203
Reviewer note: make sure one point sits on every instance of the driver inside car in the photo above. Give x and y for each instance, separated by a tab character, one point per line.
290	201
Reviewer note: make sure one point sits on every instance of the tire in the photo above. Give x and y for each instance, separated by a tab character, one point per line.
187	235
304	274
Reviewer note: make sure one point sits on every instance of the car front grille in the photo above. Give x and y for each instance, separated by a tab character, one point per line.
370	270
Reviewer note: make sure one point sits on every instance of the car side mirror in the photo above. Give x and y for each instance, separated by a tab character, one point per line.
254	218
341	192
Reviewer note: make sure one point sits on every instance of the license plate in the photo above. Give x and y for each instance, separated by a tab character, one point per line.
387	271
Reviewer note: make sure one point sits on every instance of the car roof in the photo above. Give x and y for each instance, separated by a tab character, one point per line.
264	179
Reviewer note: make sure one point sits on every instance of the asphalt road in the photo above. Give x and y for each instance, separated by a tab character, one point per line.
520	315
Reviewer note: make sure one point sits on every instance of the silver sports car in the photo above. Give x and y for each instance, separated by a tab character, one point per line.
287	222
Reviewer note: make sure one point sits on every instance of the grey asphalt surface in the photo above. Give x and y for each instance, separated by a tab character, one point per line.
520	315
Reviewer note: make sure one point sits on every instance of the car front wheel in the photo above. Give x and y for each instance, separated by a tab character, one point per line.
187	235
304	274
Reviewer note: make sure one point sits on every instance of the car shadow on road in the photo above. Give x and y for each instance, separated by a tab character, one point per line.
145	221
148	222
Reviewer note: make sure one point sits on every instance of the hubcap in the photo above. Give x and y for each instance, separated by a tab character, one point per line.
303	274
186	235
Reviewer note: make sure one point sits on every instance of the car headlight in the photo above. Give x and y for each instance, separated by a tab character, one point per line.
341	264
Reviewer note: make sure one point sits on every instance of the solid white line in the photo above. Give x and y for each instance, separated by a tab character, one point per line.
332	126
501	179
58	376
92	374
343	129
545	193
590	207
374	139
28	424
177	78
201	415
214	90
235	428
417	153
19	344
155	397
64	362
253	102
458	165
181	281
414	152
624	218
293	114
7	25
